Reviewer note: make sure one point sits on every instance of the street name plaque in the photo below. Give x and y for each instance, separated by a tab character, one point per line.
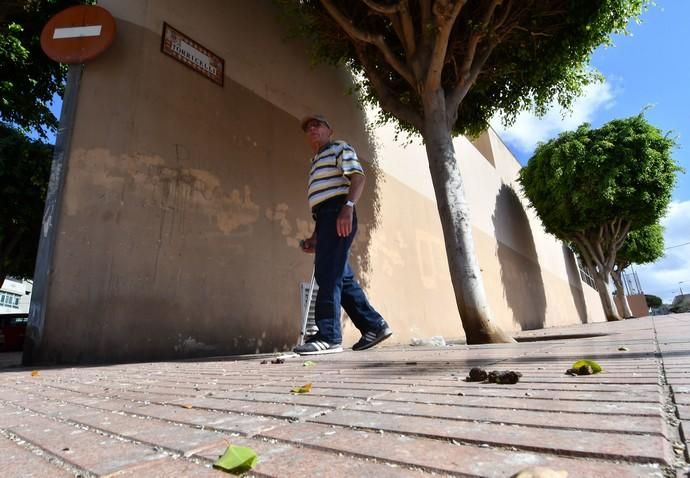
185	50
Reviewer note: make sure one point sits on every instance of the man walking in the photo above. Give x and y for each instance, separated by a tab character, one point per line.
336	182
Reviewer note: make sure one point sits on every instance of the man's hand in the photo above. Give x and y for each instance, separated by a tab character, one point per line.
308	245
344	223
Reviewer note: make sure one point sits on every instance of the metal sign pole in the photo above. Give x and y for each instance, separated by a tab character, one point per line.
51	213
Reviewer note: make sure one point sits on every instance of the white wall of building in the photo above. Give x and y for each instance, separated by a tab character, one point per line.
15	296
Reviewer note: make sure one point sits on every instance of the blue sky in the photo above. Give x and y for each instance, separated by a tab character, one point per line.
650	67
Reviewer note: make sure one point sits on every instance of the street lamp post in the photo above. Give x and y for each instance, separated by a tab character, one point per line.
679	287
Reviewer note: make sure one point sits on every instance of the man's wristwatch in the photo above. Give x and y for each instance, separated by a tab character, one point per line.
349	203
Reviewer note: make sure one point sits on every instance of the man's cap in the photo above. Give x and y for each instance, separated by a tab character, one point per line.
309	118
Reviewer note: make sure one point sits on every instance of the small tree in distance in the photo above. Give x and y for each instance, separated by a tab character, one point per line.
653	301
444	67
591	187
642	246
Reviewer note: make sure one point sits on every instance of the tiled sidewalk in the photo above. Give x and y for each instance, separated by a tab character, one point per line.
391	411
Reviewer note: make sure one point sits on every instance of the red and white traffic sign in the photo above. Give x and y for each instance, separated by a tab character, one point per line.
78	34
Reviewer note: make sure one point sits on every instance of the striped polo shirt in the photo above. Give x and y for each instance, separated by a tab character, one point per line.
330	168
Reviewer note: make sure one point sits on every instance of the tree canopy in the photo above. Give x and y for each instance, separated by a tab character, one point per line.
24	170
621	174
641	246
29	79
485	55
593	186
652	300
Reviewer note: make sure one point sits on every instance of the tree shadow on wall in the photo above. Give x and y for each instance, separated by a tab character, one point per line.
523	286
575	283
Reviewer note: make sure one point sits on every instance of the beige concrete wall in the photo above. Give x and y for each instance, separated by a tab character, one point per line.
637	304
185	201
531	279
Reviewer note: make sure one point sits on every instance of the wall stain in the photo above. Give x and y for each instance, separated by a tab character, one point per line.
301	230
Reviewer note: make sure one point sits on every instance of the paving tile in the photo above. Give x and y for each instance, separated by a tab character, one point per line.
179	438
323	390
10	416
171	468
643	449
454	384
292	410
446	457
85	449
410	393
617	396
230	422
286	397
16	461
280	459
583	395
79	387
682	398
106	403
528	403
685	429
57	409
578	421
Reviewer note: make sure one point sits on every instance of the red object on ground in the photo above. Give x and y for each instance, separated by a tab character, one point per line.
12	332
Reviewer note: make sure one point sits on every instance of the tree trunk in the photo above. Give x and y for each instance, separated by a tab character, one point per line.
600	272
620	293
606	299
457	230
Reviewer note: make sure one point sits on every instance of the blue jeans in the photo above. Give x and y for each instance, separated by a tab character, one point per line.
337	283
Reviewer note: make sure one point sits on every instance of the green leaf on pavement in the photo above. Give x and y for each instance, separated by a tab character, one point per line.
306	388
237	460
309	363
596	368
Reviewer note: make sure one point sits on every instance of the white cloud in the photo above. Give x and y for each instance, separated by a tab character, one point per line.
662	277
530	129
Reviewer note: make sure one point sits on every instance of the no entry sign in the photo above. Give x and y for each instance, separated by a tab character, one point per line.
78	34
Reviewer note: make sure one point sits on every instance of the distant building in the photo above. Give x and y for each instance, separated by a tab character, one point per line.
681	303
15	296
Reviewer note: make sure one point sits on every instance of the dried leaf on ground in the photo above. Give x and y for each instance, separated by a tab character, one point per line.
35	373
237	460
306	388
